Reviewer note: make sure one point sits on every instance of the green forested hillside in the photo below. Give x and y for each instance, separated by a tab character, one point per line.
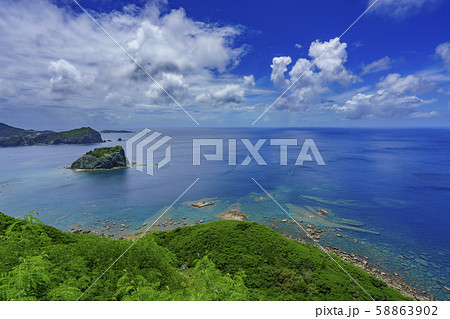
84	135
17	137
7	130
223	260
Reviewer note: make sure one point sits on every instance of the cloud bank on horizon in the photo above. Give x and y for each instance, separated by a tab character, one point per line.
57	63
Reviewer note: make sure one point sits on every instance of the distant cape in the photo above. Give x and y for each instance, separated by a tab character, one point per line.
13	136
116	131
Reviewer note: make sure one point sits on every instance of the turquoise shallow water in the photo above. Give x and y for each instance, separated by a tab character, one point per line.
391	186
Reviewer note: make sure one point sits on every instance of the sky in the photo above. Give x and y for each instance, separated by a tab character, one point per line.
224	63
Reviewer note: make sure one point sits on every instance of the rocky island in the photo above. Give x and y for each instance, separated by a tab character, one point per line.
102	158
12	136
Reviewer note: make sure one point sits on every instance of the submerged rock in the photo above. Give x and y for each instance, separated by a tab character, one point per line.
234	214
102	158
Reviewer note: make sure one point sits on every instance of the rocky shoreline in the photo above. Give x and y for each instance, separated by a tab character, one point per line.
392	280
395	280
119	230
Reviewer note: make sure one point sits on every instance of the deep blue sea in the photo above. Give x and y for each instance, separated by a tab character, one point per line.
389	189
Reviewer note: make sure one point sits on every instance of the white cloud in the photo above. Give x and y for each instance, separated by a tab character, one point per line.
331	63
173	42
424	114
313	79
172	83
397	84
395	98
229	95
232	93
55	54
249	80
298	46
279	67
377	66
443	50
127	101
65	78
399	8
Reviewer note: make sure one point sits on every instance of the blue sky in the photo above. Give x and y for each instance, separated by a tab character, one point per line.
225	63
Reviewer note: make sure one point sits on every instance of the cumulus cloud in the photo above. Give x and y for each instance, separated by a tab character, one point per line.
249	80
229	95
173	42
232	93
395	98
312	79
377	66
333	55
443	50
172	83
279	67
75	61
397	84
65	78
399	8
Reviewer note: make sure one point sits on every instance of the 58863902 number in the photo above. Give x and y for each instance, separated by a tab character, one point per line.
406	310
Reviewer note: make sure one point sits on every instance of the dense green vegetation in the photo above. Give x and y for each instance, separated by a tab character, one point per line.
8	131
82	135
102	158
11	136
105	151
223	260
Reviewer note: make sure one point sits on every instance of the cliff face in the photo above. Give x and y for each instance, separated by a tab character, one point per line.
101	158
84	135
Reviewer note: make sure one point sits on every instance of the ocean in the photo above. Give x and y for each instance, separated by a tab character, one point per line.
386	191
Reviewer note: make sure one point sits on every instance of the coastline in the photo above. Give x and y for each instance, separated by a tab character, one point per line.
393	280
315	234
97	169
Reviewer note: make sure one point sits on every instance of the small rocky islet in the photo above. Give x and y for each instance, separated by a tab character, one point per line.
104	158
